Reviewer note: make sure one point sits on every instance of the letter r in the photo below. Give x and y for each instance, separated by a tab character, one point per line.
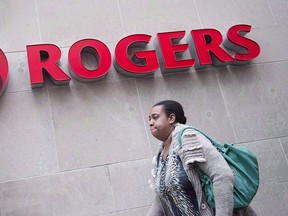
44	58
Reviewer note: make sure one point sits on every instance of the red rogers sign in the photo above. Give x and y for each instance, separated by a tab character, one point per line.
204	46
3	72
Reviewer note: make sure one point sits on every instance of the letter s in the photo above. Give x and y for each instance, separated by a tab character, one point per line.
246	49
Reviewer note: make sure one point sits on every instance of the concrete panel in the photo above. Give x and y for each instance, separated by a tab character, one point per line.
65	22
273	43
273	166
27	139
84	192
279	11
133	212
130	186
222	14
273	199
284	144
19	25
256	99
98	124
152	17
19	78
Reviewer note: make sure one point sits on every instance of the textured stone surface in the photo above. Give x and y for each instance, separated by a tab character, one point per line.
83	192
98	124
260	111
85	148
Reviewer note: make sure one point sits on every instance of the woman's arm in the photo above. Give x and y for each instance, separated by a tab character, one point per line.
210	161
156	209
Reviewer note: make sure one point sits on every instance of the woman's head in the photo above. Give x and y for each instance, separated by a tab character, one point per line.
163	117
173	107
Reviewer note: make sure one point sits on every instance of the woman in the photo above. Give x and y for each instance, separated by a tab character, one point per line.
175	178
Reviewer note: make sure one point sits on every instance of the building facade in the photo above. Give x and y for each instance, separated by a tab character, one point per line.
84	148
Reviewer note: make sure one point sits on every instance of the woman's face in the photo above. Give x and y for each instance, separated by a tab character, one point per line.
160	125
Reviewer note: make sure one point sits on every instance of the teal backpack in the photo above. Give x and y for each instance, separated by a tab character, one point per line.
244	166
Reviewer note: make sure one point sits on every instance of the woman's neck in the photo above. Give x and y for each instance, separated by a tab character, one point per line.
167	143
168	140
